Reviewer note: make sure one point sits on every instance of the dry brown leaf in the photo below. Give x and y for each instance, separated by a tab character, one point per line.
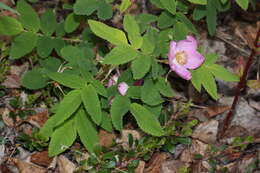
240	65
41	158
213	111
25	167
197	147
140	168
65	165
38	119
124	138
12	81
5	169
154	165
172	166
105	138
247	34
207	131
6	118
255	84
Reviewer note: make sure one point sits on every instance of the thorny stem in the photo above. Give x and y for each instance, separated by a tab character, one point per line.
241	86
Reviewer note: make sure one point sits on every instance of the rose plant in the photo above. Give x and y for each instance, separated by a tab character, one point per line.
103	72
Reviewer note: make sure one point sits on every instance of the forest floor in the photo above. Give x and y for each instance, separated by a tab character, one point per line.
238	151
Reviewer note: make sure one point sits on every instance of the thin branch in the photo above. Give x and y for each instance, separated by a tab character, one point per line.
241	86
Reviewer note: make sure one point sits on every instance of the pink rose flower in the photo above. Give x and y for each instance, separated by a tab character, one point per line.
183	55
122	88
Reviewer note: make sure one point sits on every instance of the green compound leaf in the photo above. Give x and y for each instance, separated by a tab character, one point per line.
71	23
140	66
99	87
202	76
132	28
23	44
68	80
146	120
71	54
48	128
196	80
28	17
243	3
165	20
209	83
67	107
120	55
211	17
146	96
120	106
169	5
51	63
62	138
182	18
148	42
83	7
48	22
180	31
200	2
86	130
10	26
124	5
45	46
104	10
222	73
164	87
34	79
199	12
113	35
91	103
106	122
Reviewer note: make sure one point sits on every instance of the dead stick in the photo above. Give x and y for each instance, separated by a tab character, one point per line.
240	87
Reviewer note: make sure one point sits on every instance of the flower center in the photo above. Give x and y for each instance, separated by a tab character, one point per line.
181	57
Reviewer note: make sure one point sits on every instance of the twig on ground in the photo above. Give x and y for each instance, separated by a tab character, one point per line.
220	35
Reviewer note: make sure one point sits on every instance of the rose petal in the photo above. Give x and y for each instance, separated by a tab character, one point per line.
122	88
181	71
195	59
190	44
171	53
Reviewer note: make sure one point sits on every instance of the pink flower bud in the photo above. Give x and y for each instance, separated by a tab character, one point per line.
122	88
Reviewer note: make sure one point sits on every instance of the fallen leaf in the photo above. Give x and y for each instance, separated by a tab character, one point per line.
65	165
6	118
105	138
124	138
12	81
140	168
213	111
38	119
41	158
172	166
154	165
240	65
197	147
207	131
5	169
254	84
2	153
25	167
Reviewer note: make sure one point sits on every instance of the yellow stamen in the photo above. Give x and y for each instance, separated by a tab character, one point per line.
181	57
